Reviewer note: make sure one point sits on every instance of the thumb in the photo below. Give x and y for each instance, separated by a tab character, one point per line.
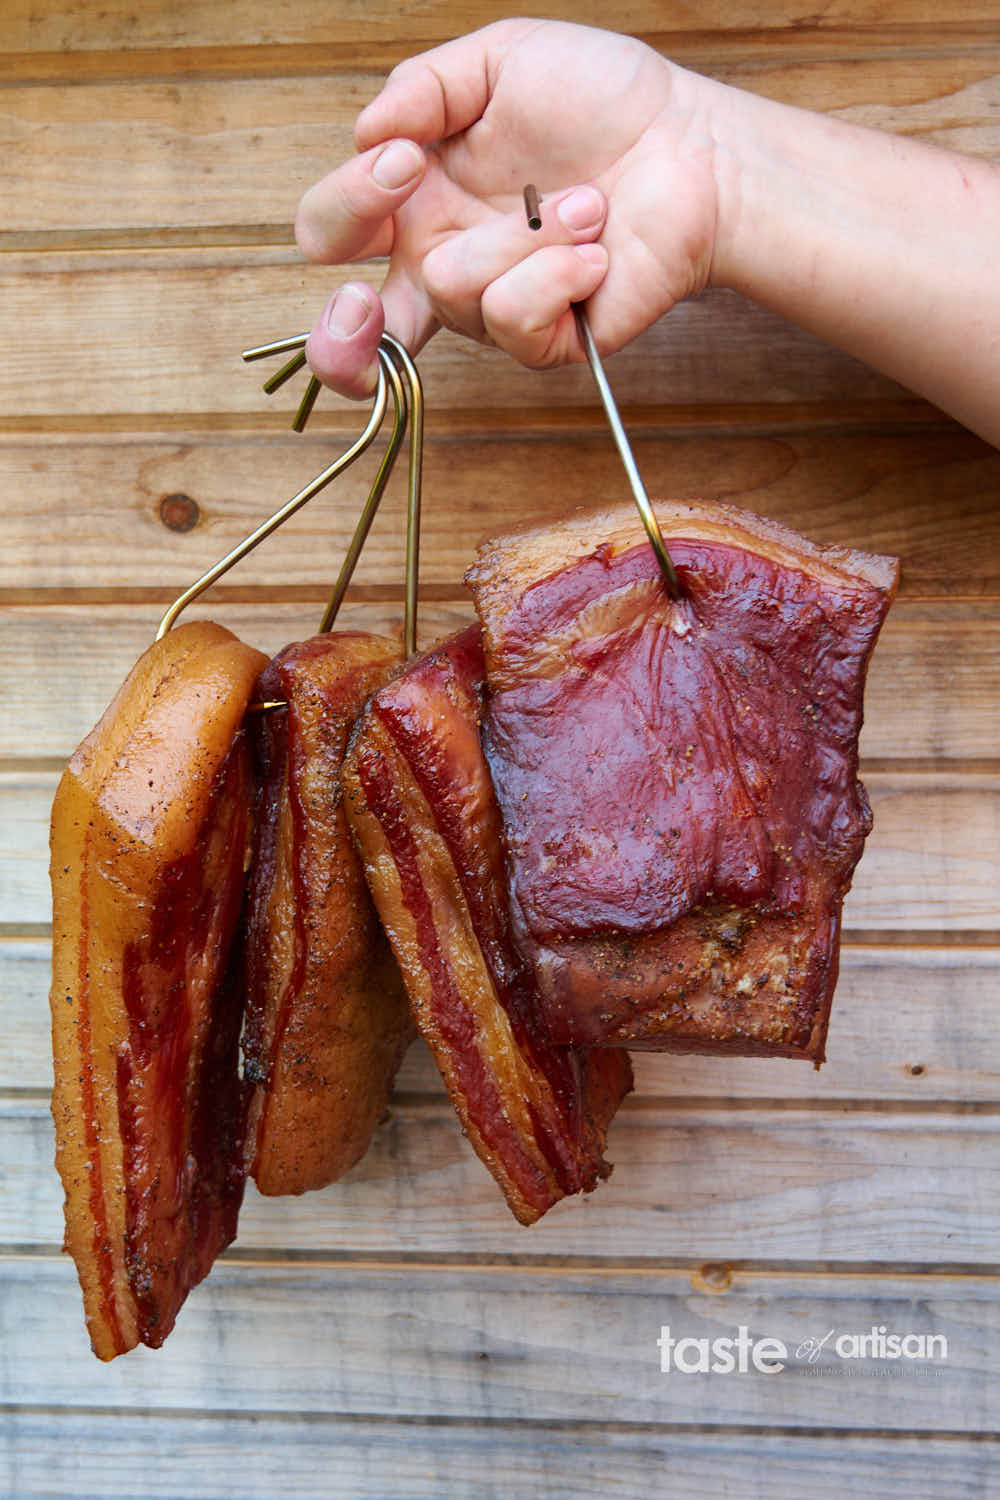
342	348
348	214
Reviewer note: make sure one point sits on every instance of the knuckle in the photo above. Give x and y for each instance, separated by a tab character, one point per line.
503	311
540	357
437	272
307	237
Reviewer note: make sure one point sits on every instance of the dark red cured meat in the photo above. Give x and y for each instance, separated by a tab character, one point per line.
678	782
180	1100
421	805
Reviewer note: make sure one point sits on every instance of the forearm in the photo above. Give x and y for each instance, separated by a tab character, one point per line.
881	245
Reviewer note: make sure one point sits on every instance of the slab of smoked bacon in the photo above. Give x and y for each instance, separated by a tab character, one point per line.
327	1016
420	803
150	835
678	781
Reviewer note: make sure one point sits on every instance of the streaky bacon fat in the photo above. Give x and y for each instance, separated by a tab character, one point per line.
678	781
149	839
421	805
327	1017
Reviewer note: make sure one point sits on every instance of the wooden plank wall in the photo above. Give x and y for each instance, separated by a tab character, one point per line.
399	1334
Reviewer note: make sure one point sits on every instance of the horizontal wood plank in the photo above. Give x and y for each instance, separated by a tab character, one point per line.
933	689
945	95
162	332
216	155
696	1183
198	23
166	156
705	51
913	1025
118	1455
929	494
932	863
540	1345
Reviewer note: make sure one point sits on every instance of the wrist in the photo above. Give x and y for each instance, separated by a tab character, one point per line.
749	186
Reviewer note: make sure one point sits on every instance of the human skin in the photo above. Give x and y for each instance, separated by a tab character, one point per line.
674	182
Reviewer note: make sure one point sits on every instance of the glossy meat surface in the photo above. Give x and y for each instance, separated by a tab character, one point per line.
327	1017
150	835
422	808
678	782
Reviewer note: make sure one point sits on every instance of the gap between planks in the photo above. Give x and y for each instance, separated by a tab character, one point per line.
36	1100
853	939
554	1428
749	418
34	766
713	1277
698	49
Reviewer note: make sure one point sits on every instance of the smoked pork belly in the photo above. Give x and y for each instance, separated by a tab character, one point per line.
678	780
150	837
421	806
327	1016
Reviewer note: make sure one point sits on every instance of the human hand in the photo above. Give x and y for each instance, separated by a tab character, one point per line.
616	139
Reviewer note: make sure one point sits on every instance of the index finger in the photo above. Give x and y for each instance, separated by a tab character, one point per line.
348	214
442	91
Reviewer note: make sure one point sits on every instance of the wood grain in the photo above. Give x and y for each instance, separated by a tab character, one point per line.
706	51
191	154
58	1453
398	1335
542	1346
884	490
933	690
217	155
948	100
698	1182
162	331
932	863
916	1026
198	23
67	662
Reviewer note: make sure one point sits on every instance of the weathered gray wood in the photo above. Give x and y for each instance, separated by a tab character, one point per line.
933	688
932	862
915	1025
700	1182
202	1458
547	1345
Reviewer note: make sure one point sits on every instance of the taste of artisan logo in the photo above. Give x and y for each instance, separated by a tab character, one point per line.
744	1351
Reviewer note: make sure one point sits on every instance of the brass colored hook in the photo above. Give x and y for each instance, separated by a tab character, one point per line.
396	371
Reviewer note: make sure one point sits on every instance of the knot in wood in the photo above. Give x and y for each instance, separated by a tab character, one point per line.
179	512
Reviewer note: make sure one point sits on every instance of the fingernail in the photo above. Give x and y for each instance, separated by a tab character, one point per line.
397	165
348	311
583	209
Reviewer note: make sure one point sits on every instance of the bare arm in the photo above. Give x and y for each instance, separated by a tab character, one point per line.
880	245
